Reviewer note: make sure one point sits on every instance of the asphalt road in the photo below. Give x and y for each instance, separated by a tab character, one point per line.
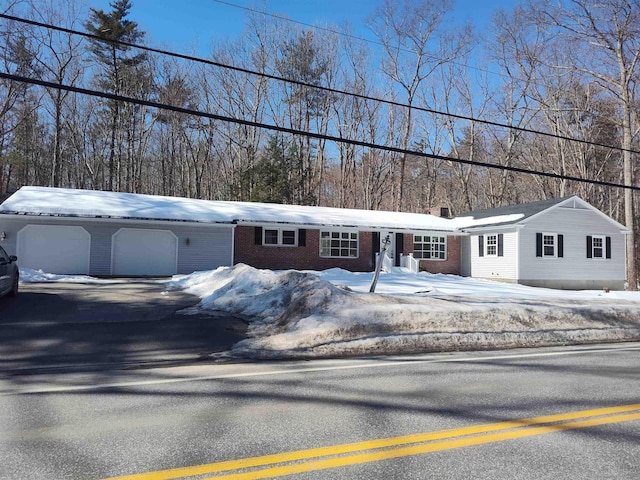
442	417
125	323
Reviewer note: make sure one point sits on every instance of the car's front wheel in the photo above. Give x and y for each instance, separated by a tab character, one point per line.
14	288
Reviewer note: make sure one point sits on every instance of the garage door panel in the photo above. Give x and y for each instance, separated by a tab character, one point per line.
54	248
144	252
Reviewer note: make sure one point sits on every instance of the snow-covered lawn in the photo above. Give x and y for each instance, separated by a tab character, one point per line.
332	313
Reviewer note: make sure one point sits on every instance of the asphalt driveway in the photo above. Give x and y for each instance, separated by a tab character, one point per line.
123	324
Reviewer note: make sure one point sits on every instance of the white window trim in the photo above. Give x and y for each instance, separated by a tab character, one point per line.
555	244
335	230
603	247
279	243
486	245
446	249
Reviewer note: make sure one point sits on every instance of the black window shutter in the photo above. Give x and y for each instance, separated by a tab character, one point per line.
589	246
258	235
375	248
560	246
608	247
538	244
481	245
399	248
400	242
500	245
376	243
302	237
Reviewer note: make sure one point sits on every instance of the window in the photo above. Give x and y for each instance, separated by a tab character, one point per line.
288	237
492	245
270	237
279	237
339	244
598	246
549	245
428	247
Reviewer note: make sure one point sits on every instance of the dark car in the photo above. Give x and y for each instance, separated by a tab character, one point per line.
8	274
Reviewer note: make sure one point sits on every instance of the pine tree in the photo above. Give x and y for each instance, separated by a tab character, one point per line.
119	67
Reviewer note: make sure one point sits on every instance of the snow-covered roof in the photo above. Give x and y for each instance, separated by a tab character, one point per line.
518	212
64	202
522	213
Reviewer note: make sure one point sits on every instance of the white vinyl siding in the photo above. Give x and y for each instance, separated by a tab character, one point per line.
200	246
574	224
496	267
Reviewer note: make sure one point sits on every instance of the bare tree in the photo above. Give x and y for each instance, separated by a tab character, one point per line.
59	59
604	37
410	33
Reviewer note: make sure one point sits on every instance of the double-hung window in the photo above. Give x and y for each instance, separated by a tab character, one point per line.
598	246
549	245
492	245
280	237
339	244
429	247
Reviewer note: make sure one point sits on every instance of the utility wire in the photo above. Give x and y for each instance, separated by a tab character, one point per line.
344	34
309	85
318	136
315	27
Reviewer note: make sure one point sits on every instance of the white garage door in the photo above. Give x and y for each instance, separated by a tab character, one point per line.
144	252
54	249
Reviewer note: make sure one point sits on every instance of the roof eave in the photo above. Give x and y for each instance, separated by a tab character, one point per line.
115	218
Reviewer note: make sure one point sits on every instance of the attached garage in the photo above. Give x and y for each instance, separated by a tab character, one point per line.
144	252
54	248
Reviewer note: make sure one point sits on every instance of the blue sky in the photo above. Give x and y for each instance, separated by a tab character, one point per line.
184	25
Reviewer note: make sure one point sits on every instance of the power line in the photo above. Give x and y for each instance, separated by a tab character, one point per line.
308	85
315	27
344	34
317	136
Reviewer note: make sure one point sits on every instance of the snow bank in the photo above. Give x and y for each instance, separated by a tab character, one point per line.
331	313
28	275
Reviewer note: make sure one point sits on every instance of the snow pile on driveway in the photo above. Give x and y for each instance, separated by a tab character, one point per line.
28	275
293	314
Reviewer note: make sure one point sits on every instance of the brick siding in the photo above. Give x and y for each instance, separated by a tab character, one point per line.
298	258
451	265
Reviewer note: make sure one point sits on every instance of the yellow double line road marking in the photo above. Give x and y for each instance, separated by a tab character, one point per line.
383	449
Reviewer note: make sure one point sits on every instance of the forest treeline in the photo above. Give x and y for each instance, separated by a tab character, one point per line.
428	84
